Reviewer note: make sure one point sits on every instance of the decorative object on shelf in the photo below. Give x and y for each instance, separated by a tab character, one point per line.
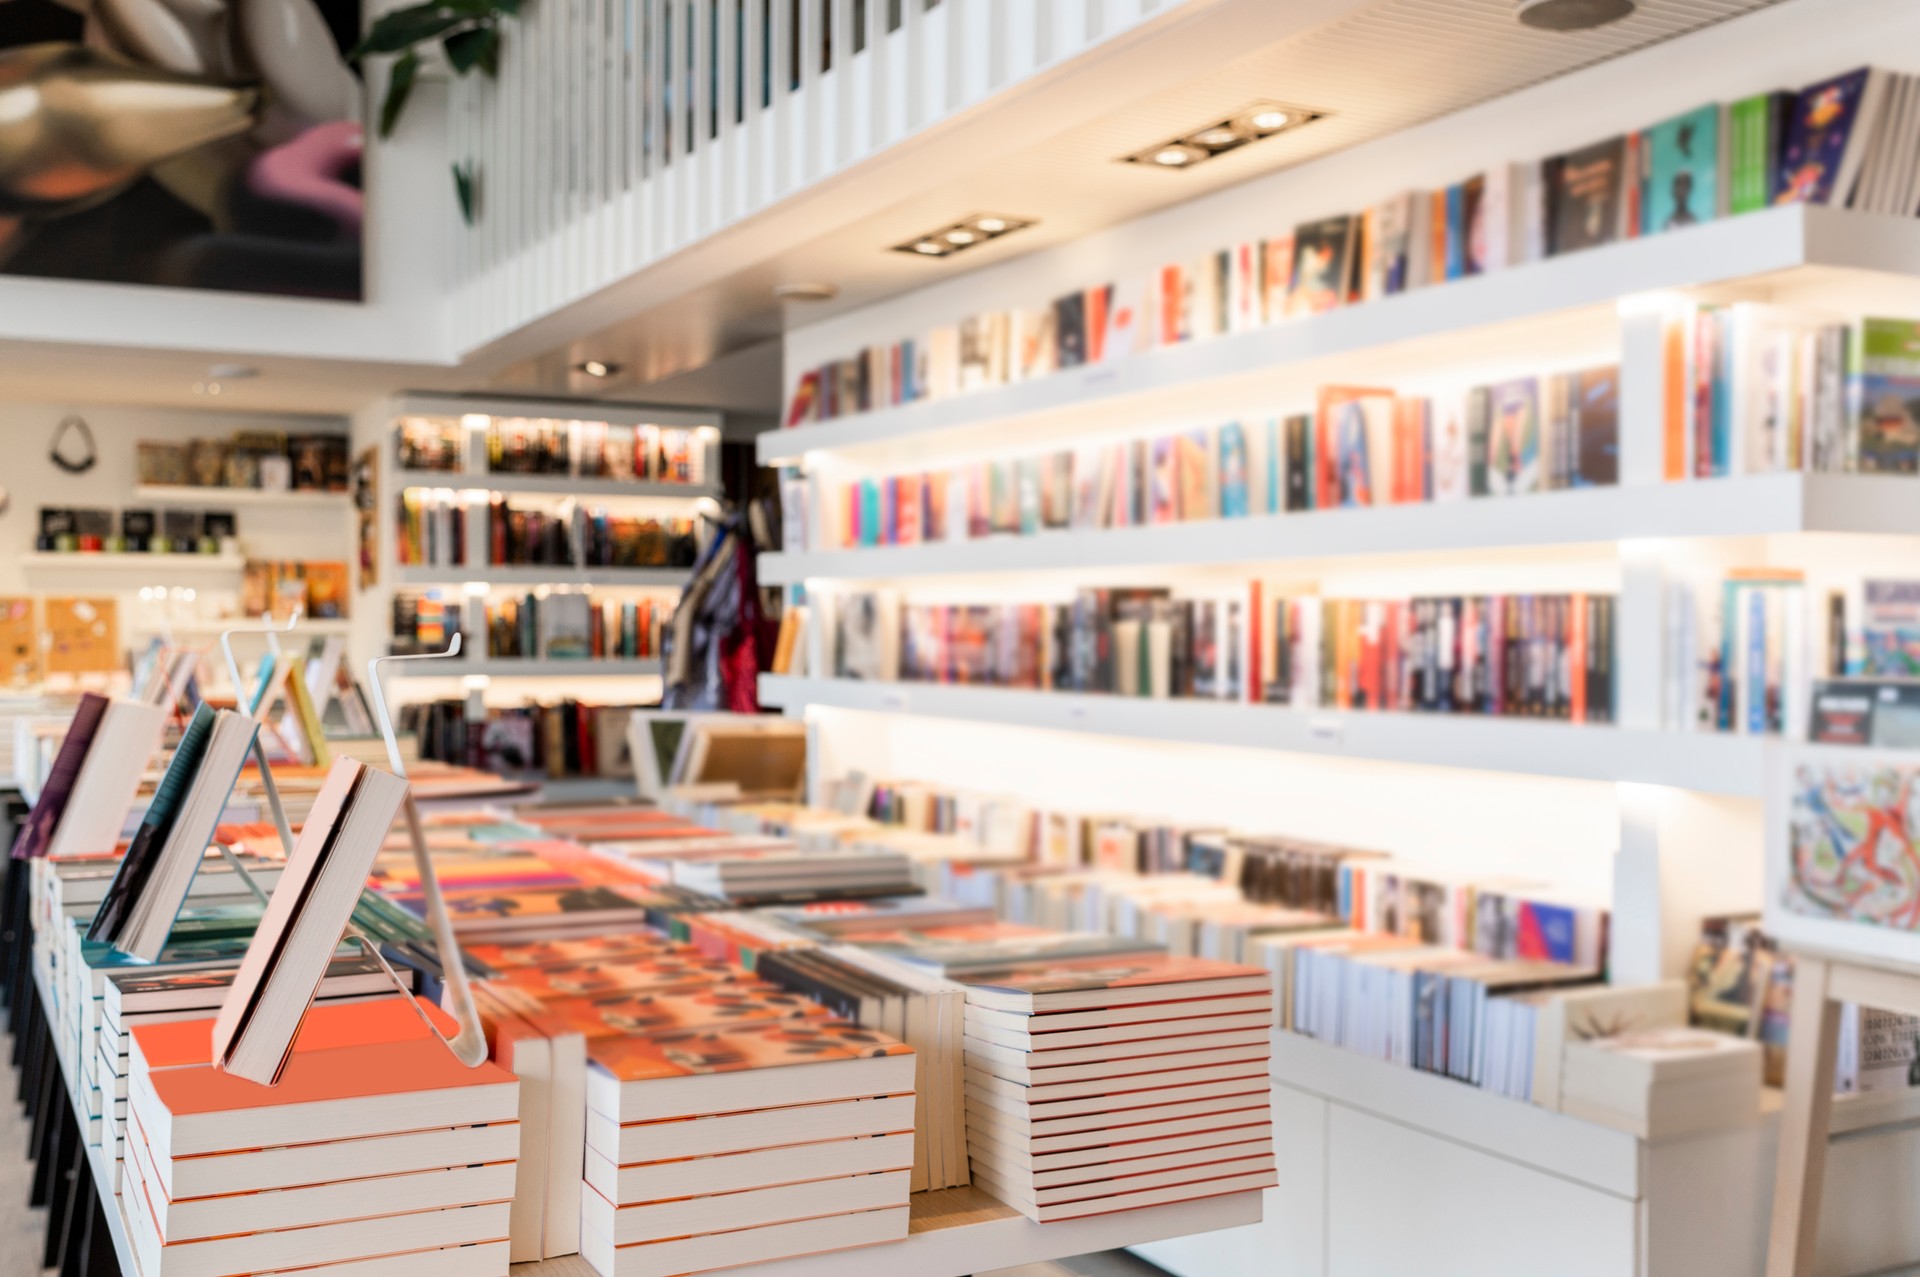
73	424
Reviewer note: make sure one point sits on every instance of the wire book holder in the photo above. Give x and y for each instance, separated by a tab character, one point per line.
455	972
469	1045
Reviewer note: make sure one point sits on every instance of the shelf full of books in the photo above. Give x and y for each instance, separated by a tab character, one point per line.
1597	469
1534	310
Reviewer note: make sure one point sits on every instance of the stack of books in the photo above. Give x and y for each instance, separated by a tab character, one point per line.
377	1155
1662	1082
1100	1087
751	875
713	1148
144	996
922	1009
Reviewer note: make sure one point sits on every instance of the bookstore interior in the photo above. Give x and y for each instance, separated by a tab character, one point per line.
833	638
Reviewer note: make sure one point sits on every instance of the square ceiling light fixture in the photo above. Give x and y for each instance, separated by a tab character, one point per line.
966	233
1255	122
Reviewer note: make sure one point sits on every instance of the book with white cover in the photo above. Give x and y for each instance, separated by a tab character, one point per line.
1144	1037
305	919
743	1246
758	1168
748	1208
103	793
747	1130
1046	1213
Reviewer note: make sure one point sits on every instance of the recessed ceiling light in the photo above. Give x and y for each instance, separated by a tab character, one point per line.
596	368
232	372
806	292
1254	122
968	232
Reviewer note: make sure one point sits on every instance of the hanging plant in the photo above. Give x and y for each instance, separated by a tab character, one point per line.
467	30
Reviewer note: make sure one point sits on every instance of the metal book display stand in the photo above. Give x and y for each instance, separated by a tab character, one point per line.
469	1043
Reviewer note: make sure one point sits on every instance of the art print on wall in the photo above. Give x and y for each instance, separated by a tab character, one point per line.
1843	851
188	143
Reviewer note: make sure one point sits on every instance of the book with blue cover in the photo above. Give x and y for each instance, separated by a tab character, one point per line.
1683	171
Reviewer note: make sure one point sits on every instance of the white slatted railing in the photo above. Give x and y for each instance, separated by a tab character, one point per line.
621	130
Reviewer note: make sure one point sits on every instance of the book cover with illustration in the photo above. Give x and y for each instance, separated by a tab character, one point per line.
1817	136
1234	502
1683	171
1322	265
1584	196
1889	396
1513	438
1850	843
734	1050
1890	629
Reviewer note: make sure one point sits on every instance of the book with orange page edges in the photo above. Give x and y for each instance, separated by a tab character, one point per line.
377	1152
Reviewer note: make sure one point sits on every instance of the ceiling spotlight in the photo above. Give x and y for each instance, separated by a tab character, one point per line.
968	232
232	372
1254	122
596	368
1571	15
806	292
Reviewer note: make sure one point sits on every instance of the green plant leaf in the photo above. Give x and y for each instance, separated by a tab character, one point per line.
401	29
473	47
399	86
464	189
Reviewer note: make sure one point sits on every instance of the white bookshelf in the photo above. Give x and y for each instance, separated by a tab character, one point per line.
1743	506
542	574
139	564
1525	311
213	498
586	489
1714	763
645	667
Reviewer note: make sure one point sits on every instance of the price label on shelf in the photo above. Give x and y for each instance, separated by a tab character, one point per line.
894	701
1326	731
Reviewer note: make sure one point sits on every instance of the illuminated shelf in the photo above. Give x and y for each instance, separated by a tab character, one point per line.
105	563
646	667
1710	762
188	495
556	485
1527	310
544	574
1754	505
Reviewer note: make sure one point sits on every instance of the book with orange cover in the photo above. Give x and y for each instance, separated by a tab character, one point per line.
678	966
371	1083
566	952
686	1007
328	1027
740	1048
